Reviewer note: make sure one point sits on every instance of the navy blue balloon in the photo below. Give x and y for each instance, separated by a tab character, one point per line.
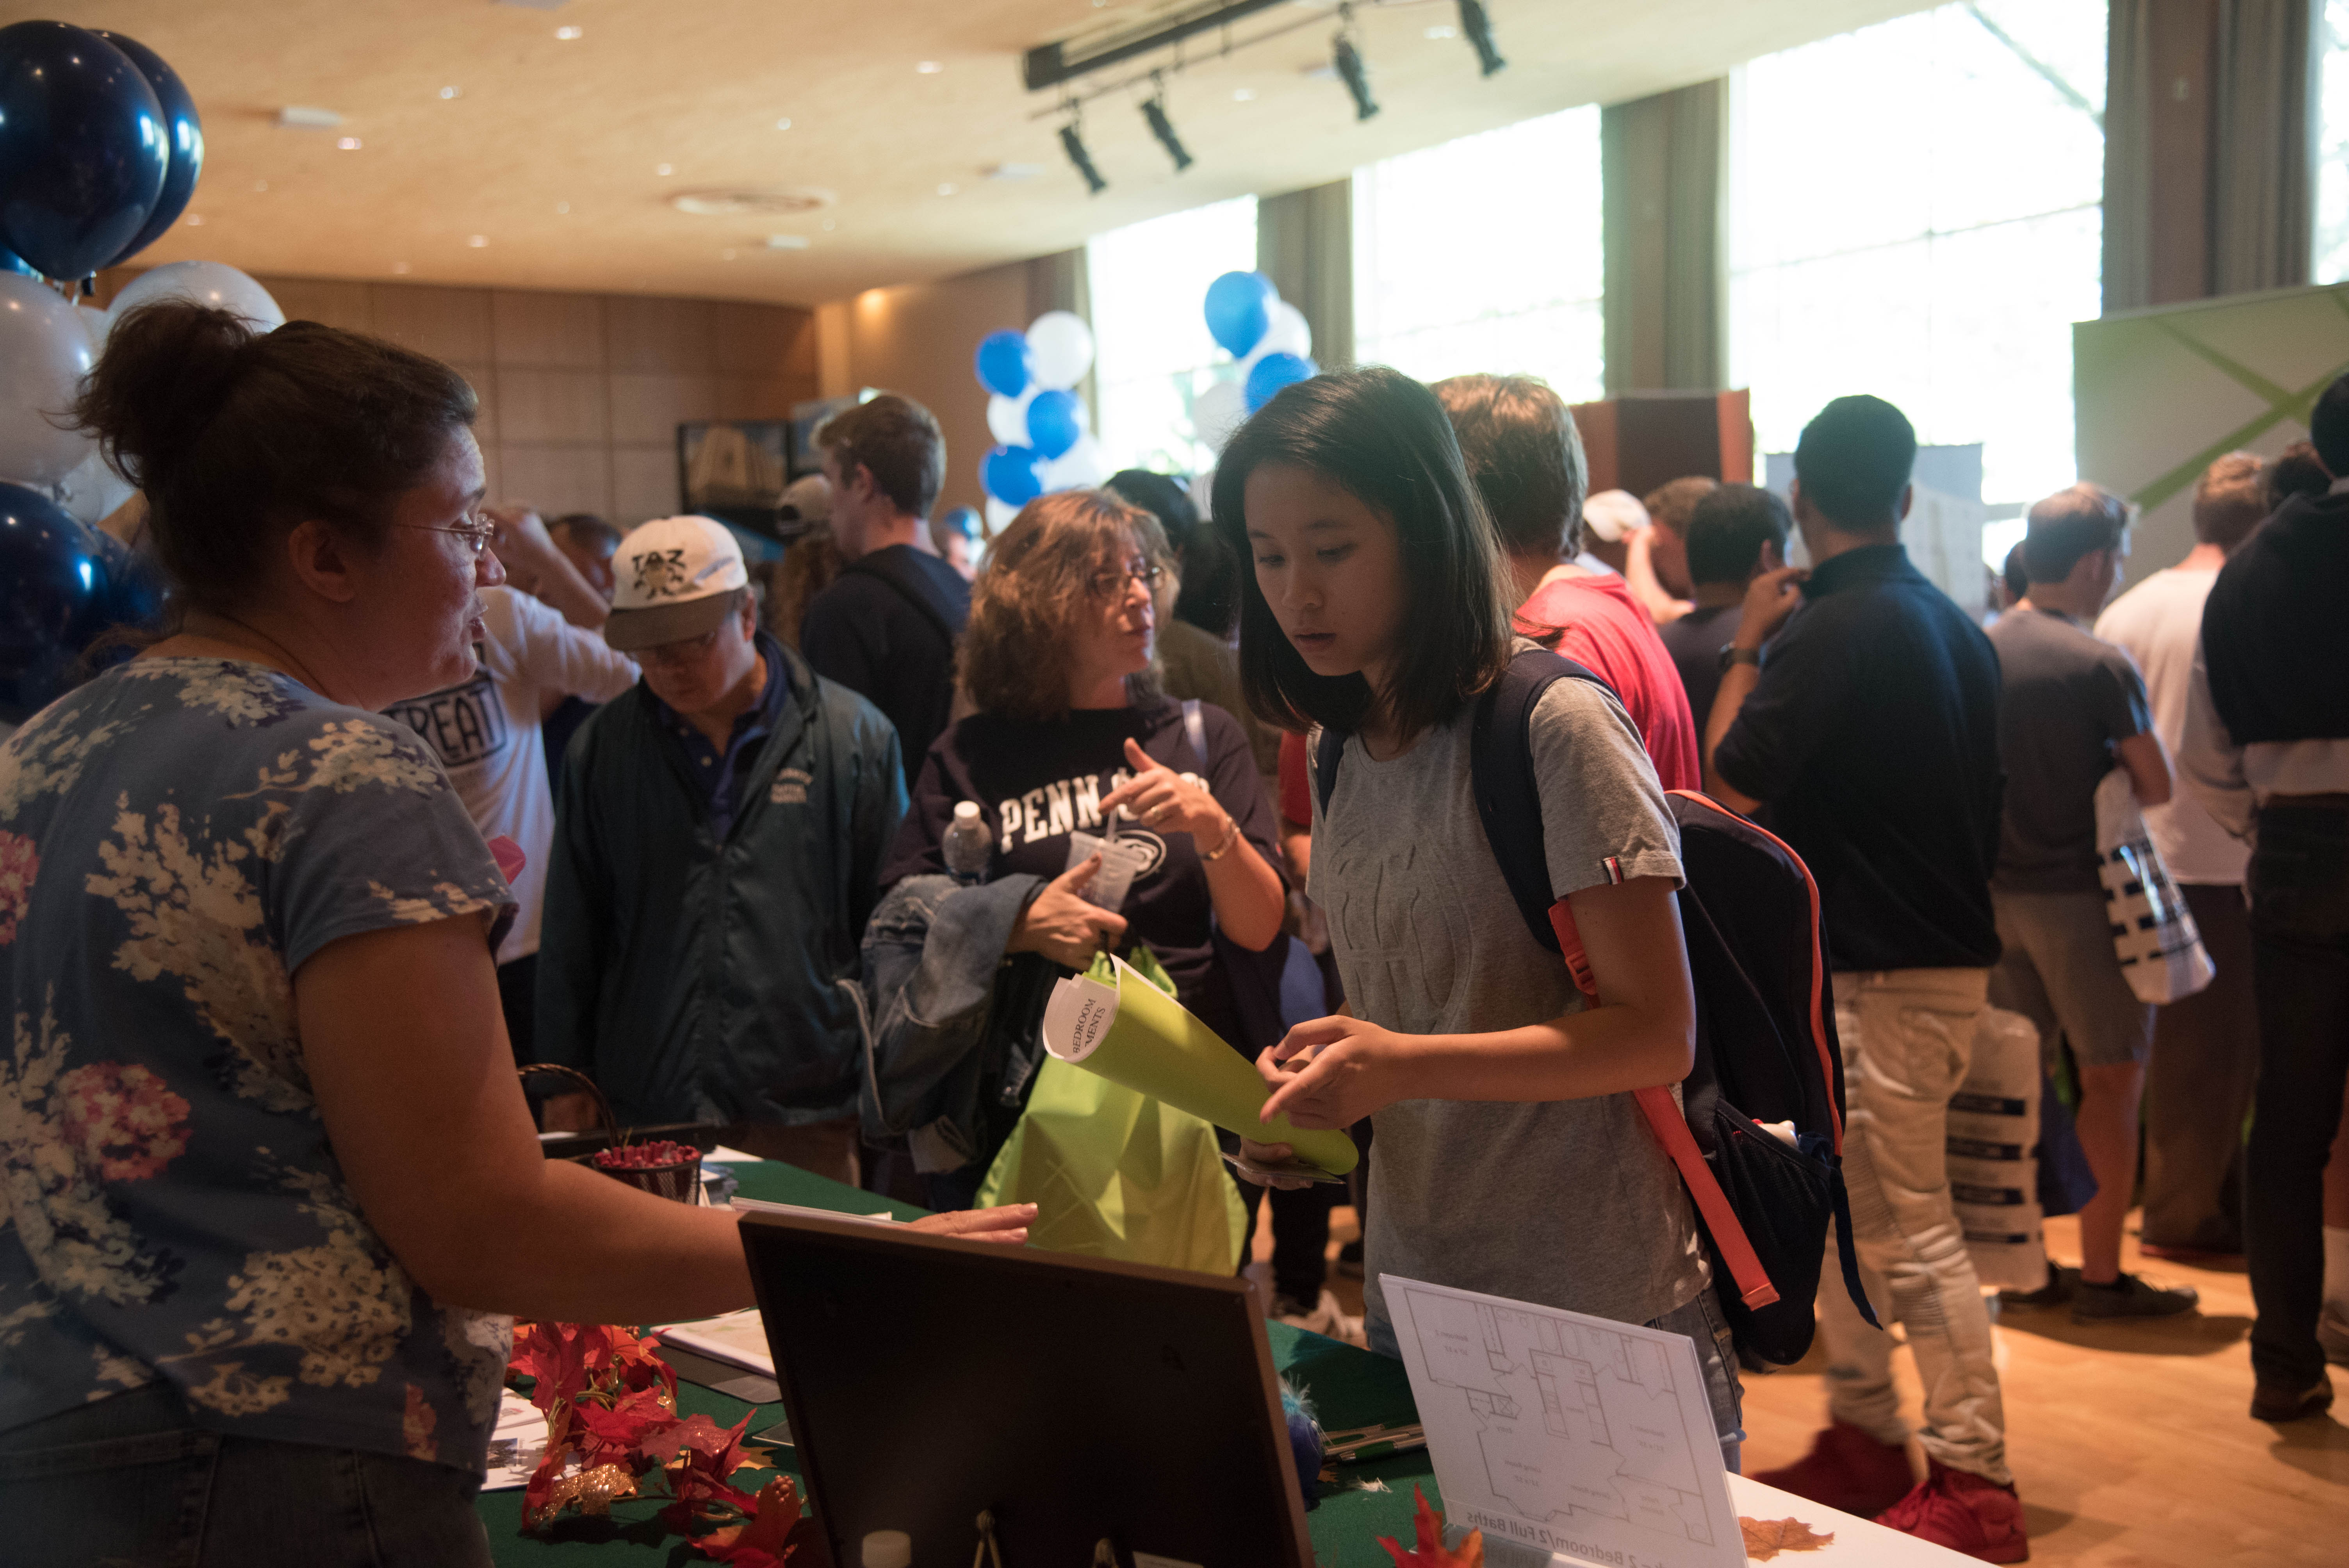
10	261
1002	363
133	594
1274	371
1240	307
83	148
1053	423
1012	474
186	141
52	600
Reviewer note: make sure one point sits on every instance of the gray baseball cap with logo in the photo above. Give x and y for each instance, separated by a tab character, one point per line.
675	577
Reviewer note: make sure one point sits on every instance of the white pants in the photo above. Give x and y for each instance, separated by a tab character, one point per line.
1907	1034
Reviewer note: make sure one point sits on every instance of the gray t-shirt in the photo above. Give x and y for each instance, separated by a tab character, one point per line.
1567	1204
2063	699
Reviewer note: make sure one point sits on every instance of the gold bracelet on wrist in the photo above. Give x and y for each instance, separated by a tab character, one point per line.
1231	837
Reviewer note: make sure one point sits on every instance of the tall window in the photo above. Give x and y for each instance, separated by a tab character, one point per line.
2331	260
1152	352
1918	213
1485	254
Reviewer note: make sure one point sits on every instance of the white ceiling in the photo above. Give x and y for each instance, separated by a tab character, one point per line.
698	85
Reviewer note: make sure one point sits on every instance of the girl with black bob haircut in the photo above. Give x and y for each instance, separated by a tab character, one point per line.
1512	1157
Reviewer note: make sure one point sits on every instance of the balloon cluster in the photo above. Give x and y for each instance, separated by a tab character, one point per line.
61	586
1270	340
100	148
1037	418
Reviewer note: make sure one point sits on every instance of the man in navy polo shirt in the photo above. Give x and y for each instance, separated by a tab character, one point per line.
717	840
1871	735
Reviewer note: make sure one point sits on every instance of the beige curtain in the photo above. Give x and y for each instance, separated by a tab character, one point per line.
1305	244
1666	245
2264	110
2211	126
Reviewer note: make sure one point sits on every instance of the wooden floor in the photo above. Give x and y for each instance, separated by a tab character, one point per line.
2131	1443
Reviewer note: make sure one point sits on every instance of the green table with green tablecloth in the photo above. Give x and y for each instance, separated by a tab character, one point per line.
1349	1388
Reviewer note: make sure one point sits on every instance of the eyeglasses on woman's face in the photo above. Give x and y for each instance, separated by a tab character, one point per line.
1109	585
477	530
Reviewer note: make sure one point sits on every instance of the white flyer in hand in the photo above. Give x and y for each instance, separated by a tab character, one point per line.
1587	1438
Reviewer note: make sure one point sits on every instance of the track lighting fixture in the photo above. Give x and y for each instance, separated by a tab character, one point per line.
1477	24
1074	146
1347	63
1153	109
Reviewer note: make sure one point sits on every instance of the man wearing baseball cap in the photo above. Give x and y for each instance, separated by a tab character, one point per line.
717	836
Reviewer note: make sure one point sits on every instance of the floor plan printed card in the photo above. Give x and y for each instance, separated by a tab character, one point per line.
1589	1438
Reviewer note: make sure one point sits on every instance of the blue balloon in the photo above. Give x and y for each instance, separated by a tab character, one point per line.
1275	371
1239	308
186	141
10	261
84	151
1053	425
1012	474
962	519
1002	363
52	600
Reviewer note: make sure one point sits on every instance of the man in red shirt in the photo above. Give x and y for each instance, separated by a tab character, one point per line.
1522	450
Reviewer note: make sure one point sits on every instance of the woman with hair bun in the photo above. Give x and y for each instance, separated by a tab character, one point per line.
272	1187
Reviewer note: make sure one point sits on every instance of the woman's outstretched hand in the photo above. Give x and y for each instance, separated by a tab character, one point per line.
1331	1072
1007	1226
1166	801
1062	926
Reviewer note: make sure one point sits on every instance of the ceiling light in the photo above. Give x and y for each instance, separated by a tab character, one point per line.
1074	146
563	206
830	225
1477	23
1443	30
446	93
567	34
399	266
261	185
947	188
787	241
349	143
664	170
727	256
1153	109
1015	171
294	117
1244	95
783	124
195	220
478	240
929	67
1347	61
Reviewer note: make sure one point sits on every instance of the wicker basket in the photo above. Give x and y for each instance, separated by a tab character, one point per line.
680	1180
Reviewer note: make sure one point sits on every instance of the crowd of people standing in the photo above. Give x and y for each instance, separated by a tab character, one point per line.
737	905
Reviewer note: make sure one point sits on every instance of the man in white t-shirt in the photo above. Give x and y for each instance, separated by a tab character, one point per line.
2205	1046
487	733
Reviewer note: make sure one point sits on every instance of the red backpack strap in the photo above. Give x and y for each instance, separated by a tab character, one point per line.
1671	1130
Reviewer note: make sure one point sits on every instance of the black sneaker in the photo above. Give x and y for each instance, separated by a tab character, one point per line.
2060	1283
1349	1259
2129	1296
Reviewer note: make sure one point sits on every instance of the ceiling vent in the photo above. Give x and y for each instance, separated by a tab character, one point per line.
772	203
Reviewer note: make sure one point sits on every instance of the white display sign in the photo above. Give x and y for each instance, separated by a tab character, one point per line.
1590	1440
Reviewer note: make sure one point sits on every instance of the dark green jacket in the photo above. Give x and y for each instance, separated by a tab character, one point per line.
700	979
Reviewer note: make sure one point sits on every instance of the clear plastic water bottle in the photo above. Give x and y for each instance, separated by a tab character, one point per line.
968	847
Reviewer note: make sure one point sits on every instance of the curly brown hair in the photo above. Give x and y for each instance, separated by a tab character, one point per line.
1038	581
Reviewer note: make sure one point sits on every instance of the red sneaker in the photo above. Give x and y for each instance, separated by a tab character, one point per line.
1848	1470
1961	1511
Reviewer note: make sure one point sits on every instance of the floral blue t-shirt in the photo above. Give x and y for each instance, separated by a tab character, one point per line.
176	839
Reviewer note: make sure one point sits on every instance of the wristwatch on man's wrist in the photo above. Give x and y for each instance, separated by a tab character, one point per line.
1734	655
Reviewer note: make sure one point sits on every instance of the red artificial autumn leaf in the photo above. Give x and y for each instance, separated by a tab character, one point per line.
1765	1538
1430	1552
760	1543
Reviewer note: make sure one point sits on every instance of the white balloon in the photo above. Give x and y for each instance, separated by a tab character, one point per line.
203	283
98	324
1081	466
1287	332
1007	417
999	514
92	492
44	354
1217	412
1060	349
